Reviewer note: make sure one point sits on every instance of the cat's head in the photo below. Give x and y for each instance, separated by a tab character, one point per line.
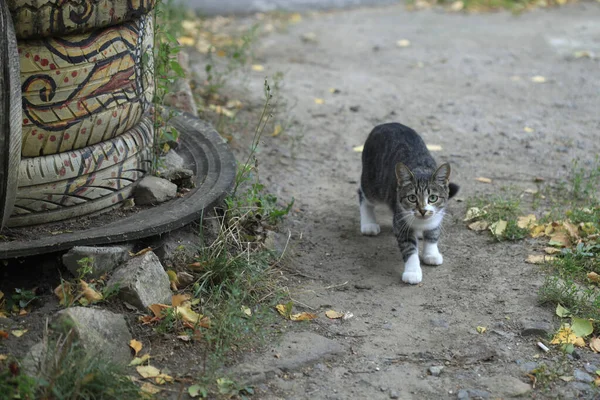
424	195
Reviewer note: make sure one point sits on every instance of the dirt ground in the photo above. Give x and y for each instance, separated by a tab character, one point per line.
465	83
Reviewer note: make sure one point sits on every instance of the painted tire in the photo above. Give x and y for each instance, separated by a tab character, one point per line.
80	90
10	115
80	182
42	18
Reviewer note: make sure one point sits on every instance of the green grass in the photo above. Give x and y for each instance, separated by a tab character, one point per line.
515	6
505	207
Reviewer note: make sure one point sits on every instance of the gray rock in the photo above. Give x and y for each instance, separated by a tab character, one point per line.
581	386
532	327
478	394
102	259
591	368
439	323
462	394
178	248
184	279
100	332
275	242
182	177
394	394
152	190
506	386
436	370
528	366
582	376
170	161
34	360
142	281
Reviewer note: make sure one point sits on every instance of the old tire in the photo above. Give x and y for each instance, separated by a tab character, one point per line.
80	182
42	18
10	115
80	90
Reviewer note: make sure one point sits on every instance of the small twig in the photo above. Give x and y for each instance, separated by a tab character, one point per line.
325	288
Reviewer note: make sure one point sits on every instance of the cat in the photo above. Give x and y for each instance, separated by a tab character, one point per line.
399	171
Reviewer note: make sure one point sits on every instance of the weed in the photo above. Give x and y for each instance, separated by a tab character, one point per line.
516	6
86	267
22	298
502	208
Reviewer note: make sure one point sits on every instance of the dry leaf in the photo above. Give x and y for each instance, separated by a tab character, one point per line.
571	229
247	311
538	79
196	266
63	292
499	227
479	226
457	6
3	357
583	54
538	258
483	180
474	213
358	149
163	378
282	309
221	53
597	381
295	18
594	277
309	37
139	360
186	41
403	43
303	316
277	130
177	299
481	329
149	388
331	314
537	231
187	314
595	344
526	221
560	238
147	371
157	309
90	294
551	250
141	252
3	334
319	101
136	345
434	147
579	342
18	332
258	68
222	110
565	335
528	129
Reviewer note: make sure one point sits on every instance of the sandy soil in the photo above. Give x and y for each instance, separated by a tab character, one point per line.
465	83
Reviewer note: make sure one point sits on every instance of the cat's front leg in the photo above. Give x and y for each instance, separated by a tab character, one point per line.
368	222
431	253
407	242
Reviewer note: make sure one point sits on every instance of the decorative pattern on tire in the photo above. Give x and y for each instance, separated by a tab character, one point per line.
80	182
41	18
80	90
10	114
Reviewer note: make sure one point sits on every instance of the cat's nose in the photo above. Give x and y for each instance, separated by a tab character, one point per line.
423	212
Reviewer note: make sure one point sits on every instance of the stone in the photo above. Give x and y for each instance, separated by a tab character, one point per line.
152	190
32	363
478	394
184	279
462	394
276	242
102	260
591	368
581	386
178	248
394	394
100	332
506	386
142	281
531	327
436	370
182	177
439	323
171	160
582	376
528	366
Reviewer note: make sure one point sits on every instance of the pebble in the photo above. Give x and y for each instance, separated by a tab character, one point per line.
439	323
582	376
479	394
535	328
581	386
394	394
436	370
591	368
463	394
528	366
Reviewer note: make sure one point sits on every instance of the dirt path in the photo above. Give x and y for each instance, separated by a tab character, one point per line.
464	83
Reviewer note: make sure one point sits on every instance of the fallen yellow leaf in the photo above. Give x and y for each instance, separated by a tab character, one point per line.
499	227
537	230
434	147
149	388
221	53
479	226
136	345
303	316
187	314
538	258
277	130
196	266
186	41
3	334
177	299
595	344
358	149
483	179
597	380
3	357
579	342
538	79
64	294
403	43
551	250
161	379
247	311
147	371
583	54
457	6
564	335
18	332
481	329
90	294
222	110
141	252
258	68
319	101
528	129
594	277
139	360
474	213
295	18
572	229
560	238
331	314
526	221
157	309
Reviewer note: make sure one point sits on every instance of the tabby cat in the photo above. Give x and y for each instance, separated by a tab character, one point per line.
398	170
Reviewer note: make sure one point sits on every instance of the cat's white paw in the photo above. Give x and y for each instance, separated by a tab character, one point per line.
433	259
370	229
412	277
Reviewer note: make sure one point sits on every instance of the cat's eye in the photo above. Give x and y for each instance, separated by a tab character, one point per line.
433	198
412	198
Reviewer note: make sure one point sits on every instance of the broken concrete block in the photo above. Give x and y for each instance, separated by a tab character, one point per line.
178	248
101	259
99	332
142	281
152	190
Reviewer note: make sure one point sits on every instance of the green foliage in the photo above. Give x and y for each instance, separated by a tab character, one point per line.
506	207
21	298
86	266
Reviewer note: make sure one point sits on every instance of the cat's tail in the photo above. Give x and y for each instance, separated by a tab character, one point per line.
453	189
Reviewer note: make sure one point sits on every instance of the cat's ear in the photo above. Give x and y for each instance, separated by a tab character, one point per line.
442	175
403	174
